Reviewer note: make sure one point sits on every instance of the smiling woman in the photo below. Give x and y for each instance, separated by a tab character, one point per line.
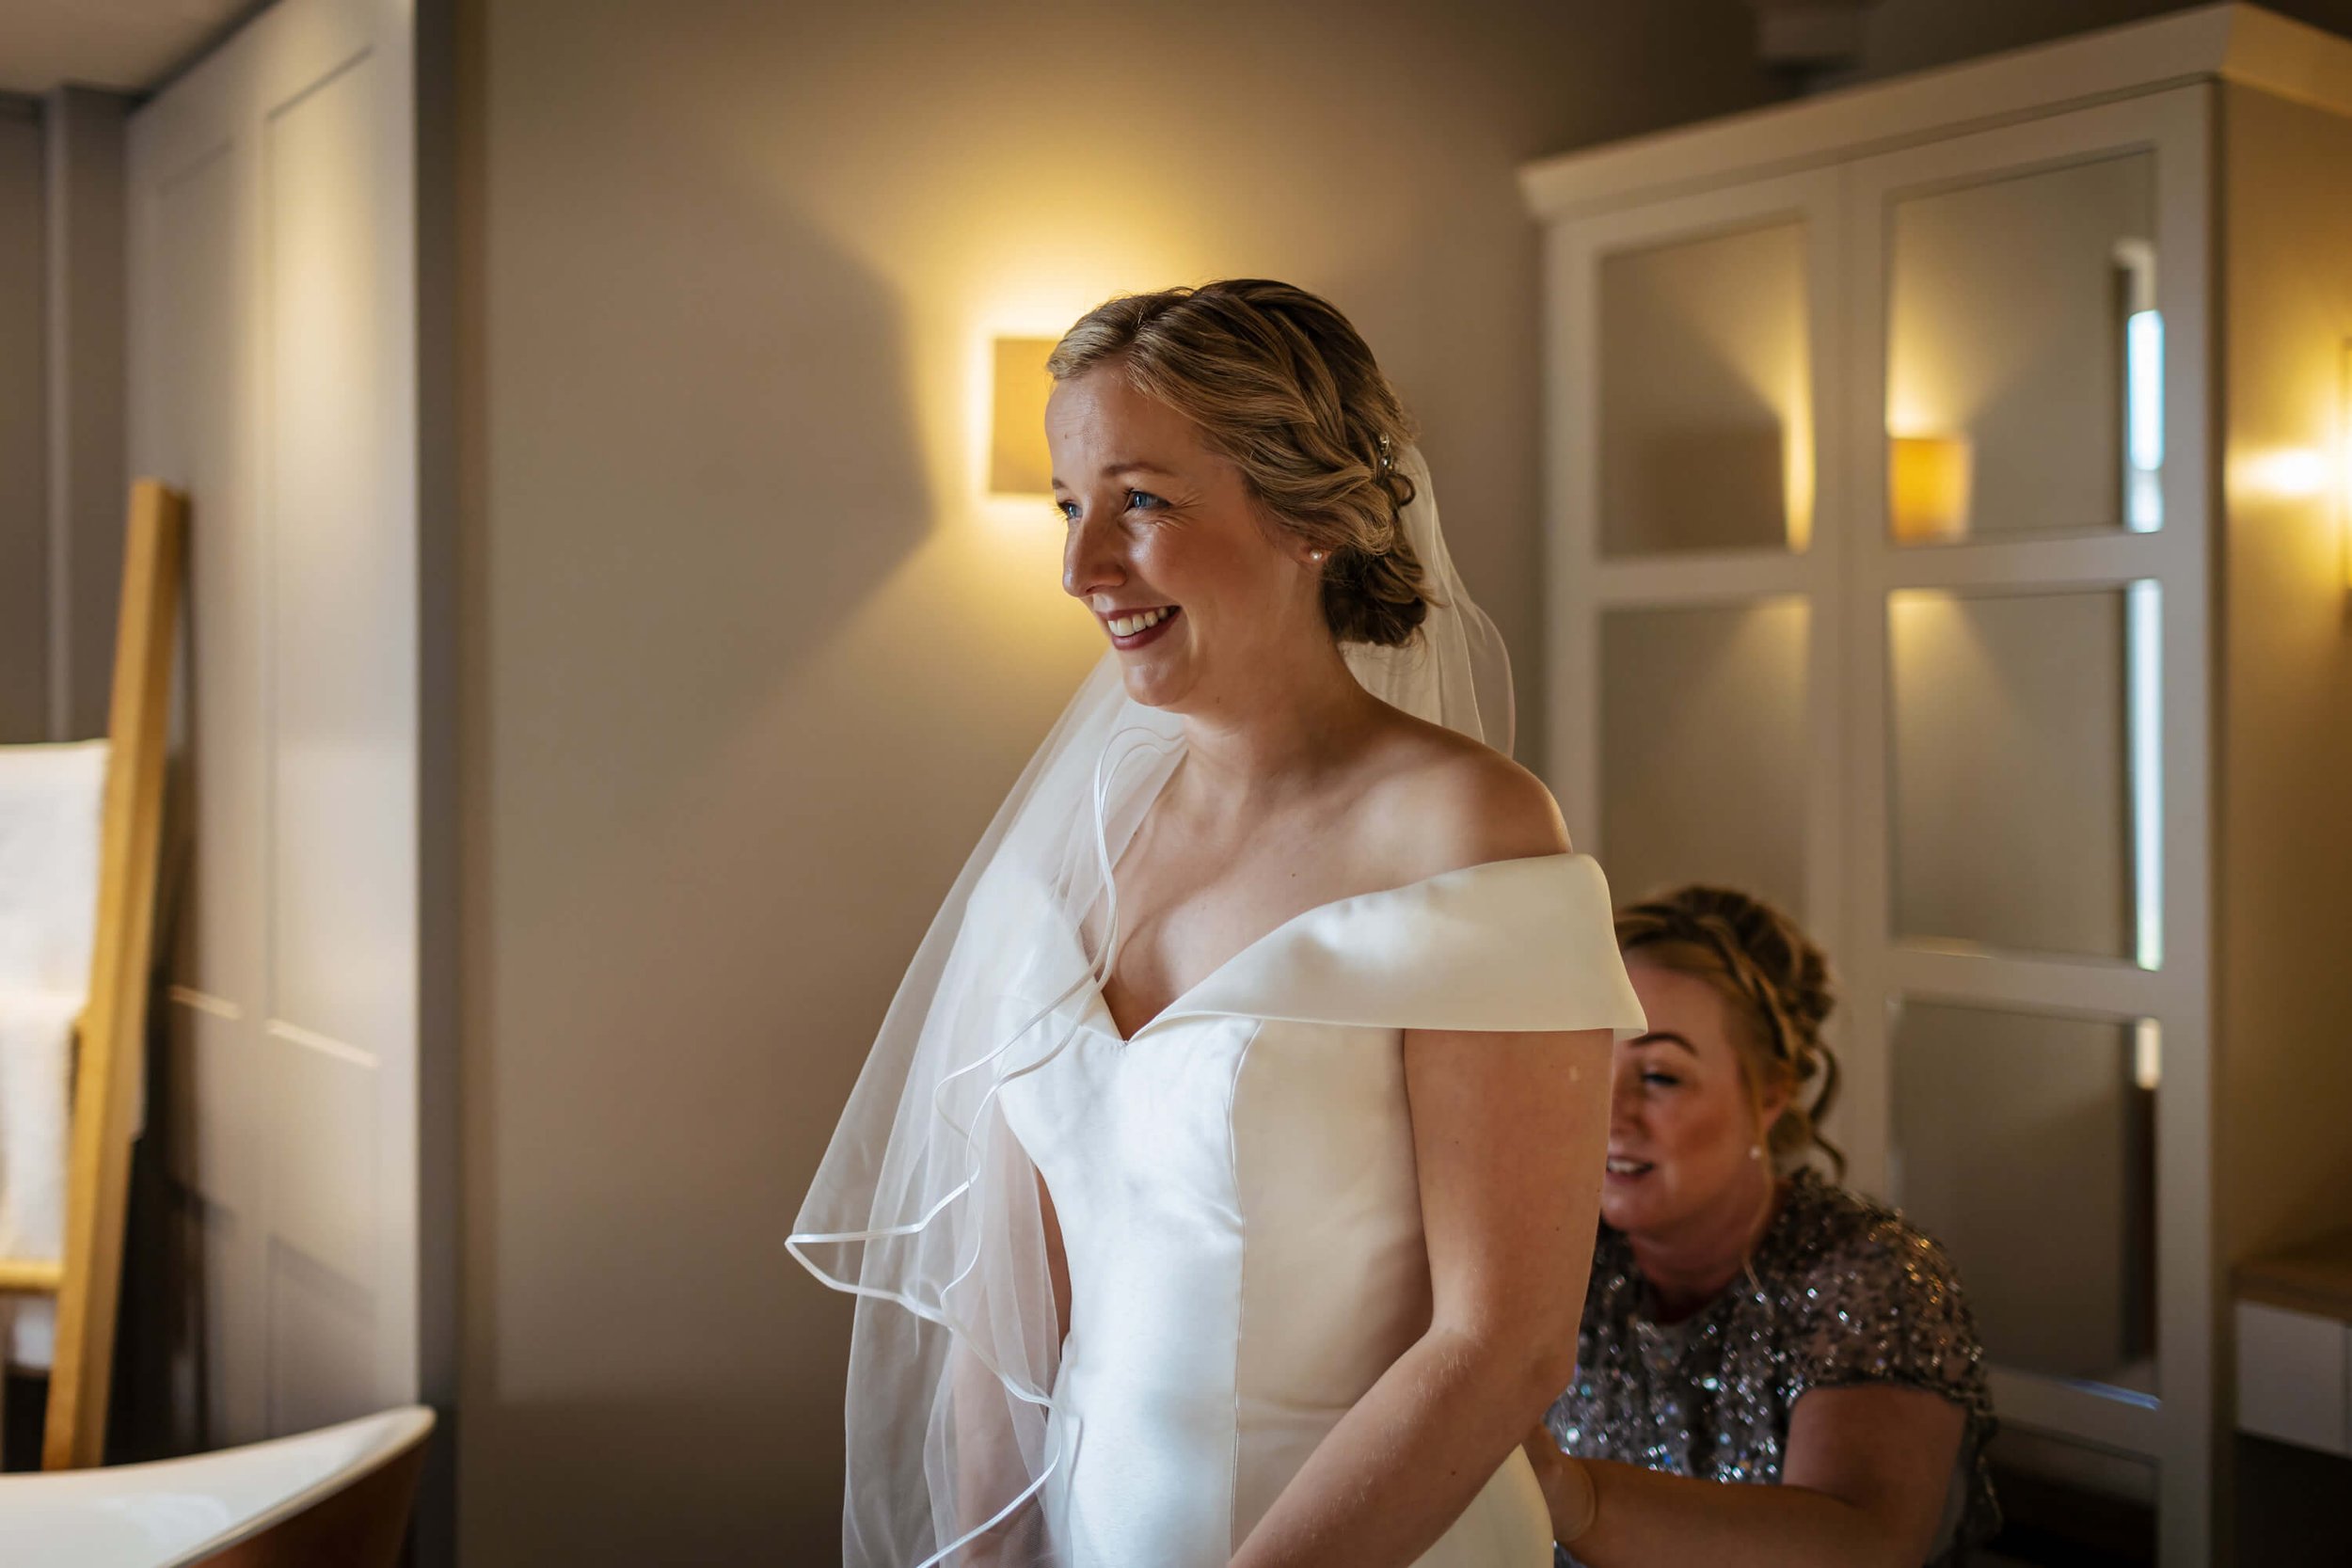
1749	1323
1219	1185
1301	423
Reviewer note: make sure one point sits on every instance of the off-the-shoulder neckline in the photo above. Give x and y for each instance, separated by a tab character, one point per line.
1180	1006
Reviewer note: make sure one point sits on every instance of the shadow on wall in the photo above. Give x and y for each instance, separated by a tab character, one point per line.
687	1462
737	524
702	517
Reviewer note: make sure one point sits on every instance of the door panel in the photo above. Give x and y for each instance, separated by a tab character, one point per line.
272	368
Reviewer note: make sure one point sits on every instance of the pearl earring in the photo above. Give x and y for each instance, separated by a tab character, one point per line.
1755	1152
1316	555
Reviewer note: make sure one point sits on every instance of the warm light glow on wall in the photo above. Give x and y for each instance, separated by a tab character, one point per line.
1018	463
2282	473
1927	488
2343	455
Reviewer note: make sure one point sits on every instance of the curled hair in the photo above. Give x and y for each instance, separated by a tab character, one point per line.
1286	390
1778	985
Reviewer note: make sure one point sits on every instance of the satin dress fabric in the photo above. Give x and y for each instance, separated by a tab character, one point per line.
1235	1187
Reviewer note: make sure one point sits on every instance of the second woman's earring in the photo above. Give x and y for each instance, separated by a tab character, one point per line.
1755	1152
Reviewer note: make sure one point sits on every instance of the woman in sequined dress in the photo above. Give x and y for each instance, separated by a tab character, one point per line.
1749	1321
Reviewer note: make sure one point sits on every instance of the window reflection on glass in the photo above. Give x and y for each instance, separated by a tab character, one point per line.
2026	786
1704	749
1705	398
2025	356
2024	1142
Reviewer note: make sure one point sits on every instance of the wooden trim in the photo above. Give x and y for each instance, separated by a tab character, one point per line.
113	1038
31	1274
2316	1278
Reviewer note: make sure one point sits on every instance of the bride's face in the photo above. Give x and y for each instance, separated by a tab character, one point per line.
1199	592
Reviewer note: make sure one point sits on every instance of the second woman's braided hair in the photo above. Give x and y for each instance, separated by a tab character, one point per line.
1778	985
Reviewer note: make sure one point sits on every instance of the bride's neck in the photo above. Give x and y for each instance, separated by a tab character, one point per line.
1276	730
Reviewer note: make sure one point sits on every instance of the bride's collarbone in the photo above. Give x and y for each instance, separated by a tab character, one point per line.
1196	892
1180	930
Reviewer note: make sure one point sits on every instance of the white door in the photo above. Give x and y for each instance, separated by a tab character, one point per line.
2027	959
272	368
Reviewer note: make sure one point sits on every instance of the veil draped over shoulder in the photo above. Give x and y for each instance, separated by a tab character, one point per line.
926	1208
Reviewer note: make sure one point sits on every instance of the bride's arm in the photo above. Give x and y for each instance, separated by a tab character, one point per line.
1509	1135
1509	1132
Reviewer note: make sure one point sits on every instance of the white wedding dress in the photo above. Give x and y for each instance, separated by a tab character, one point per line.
1236	1194
1235	1184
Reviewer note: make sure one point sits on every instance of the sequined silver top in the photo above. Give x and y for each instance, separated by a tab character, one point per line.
1843	1292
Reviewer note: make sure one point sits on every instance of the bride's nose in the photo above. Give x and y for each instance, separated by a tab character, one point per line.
1090	561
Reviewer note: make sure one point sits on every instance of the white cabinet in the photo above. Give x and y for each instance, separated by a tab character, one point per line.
1945	541
2295	1377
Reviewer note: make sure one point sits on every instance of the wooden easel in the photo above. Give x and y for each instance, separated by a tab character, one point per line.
111	1039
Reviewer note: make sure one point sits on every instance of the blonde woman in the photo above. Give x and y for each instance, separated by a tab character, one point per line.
1772	1370
1220	1189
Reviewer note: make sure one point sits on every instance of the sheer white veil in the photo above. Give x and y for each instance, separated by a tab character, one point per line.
926	1207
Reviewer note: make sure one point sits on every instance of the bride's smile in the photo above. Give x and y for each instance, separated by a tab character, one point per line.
1131	630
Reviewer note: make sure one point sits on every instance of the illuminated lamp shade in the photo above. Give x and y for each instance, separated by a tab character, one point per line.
1927	488
1017	464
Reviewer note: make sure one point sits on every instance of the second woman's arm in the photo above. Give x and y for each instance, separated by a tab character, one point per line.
1864	1485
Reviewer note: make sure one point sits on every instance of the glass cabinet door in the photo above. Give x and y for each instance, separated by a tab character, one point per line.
2024	354
1706	413
2025	611
1879	500
1704	725
1694	564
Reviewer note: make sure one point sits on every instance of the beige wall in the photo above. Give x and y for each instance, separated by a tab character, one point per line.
24	499
2283	980
62	487
83	130
744	665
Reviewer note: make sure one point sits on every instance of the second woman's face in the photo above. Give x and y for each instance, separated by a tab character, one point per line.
1169	549
1680	1122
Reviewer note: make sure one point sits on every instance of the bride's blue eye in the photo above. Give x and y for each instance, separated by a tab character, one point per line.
1144	498
1068	511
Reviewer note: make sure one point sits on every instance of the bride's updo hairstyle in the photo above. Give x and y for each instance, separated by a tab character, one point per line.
1283	386
1777	984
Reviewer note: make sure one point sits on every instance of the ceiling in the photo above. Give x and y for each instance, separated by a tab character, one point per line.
128	46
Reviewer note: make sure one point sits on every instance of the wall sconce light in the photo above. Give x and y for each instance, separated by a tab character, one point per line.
1018	463
1927	488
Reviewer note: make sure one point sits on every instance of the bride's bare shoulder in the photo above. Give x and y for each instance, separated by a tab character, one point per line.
1444	801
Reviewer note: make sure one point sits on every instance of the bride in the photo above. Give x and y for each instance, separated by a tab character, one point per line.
1222	1185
